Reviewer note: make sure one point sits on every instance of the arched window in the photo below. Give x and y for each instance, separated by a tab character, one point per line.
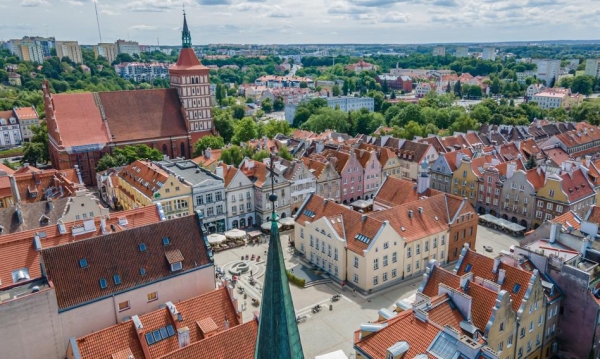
249	221
243	222
235	224
182	148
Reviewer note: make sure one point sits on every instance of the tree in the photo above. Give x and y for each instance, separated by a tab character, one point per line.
232	155
583	85
267	105
245	130
108	161
210	141
285	154
261	155
458	89
378	98
531	163
302	115
137	152
346	87
33	153
448	88
464	124
481	113
384	86
274	127
335	90
238	112
365	122
327	119
303	85
393	95
278	105
224	125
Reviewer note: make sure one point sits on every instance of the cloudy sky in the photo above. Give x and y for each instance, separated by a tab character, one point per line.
304	21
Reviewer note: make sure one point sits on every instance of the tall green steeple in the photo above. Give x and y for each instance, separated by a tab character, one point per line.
278	335
186	37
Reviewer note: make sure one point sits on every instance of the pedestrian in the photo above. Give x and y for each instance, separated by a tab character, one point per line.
250	273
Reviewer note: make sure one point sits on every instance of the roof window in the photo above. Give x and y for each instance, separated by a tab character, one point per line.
166	241
117	279
516	288
468	268
103	283
142	247
83	263
142	271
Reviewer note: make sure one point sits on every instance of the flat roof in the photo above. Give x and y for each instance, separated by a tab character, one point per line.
22	290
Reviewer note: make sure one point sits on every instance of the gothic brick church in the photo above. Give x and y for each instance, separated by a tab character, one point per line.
84	126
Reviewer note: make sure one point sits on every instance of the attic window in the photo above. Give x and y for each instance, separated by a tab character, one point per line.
83	263
117	279
20	275
468	268
142	271
103	283
142	247
308	213
166	241
362	238
516	288
123	221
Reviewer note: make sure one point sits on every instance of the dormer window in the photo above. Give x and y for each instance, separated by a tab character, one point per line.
175	260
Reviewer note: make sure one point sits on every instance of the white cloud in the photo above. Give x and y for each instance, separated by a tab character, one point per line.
109	12
395	17
73	2
143	27
34	3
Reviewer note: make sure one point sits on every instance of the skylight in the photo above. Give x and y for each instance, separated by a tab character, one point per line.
362	238
117	279
516	288
83	263
160	334
166	241
142	271
103	283
468	268
308	213
142	247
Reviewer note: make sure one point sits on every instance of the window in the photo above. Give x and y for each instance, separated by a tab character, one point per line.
103	283
386	245
394	257
540	320
540	204
384	277
317	246
356	278
166	241
176	266
408	268
501	327
142	247
355	262
549	206
427	246
219	196
559	208
408	252
418	249
551	194
124	306
500	347
152	296
335	254
394	273
375	263
509	342
385	261
117	279
417	264
83	263
301	232
142	271
520	354
443	239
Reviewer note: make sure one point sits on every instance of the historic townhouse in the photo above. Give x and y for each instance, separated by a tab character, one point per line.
493	176
568	190
239	194
350	171
302	182
144	183
371	171
584	140
517	199
507	304
466	178
412	155
442	169
390	163
328	181
261	177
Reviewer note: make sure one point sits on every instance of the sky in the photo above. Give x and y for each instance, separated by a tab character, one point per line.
303	21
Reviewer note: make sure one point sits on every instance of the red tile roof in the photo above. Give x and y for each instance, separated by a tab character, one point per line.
5	168
188	61
32	183
576	186
483	303
205	160
119	254
353	223
481	266
18	249
140	173
439	276
394	191
536	177
143	114
215	305
78	120
229	173
26	113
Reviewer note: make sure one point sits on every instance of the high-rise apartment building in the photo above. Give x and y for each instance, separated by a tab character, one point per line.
592	68
489	53
128	47
439	51
547	70
70	49
462	51
106	50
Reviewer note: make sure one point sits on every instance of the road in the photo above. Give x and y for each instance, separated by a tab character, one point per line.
293	70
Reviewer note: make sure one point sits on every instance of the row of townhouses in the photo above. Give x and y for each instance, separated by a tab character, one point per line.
15	125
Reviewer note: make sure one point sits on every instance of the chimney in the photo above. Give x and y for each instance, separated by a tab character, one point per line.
501	276
410	213
553	230
15	190
496	265
207	153
219	171
420	210
19	215
183	335
510	169
139	327
588	160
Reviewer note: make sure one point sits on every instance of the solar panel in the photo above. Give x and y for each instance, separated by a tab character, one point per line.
149	339
362	238
156	335
309	213
170	330
163	333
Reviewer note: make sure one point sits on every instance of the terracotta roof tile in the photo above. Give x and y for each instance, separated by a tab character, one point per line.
142	114
535	176
354	223
483	303
174	256
215	155
18	250
438	276
5	168
229	173
33	183
594	215
188	60
576	185
119	254
314	165
394	191
481	266
144	177
341	158
78	114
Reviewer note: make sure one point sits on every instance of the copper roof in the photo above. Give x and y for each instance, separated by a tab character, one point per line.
119	254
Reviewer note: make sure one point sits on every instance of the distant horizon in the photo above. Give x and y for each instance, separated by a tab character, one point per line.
304	22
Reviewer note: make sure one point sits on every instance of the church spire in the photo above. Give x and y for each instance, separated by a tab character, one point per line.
278	335
186	37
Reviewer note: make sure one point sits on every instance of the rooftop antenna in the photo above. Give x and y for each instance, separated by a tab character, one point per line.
98	20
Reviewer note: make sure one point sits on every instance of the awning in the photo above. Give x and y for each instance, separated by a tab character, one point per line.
235	234
287	221
502	222
216	238
254	234
267	226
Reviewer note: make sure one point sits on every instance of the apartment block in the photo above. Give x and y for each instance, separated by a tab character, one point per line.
70	49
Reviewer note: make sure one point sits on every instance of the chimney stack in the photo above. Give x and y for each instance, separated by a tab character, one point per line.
496	265
501	276
410	213
15	190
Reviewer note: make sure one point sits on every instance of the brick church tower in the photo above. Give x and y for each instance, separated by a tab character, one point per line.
192	82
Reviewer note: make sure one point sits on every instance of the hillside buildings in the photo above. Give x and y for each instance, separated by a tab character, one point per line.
592	67
70	49
142	71
107	50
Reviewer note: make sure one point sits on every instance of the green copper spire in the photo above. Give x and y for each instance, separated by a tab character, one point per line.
278	335
186	37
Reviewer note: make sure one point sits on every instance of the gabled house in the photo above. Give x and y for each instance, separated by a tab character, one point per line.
302	182
239	195
328	180
350	171
371	171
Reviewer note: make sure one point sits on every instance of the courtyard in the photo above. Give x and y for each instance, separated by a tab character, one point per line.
331	330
